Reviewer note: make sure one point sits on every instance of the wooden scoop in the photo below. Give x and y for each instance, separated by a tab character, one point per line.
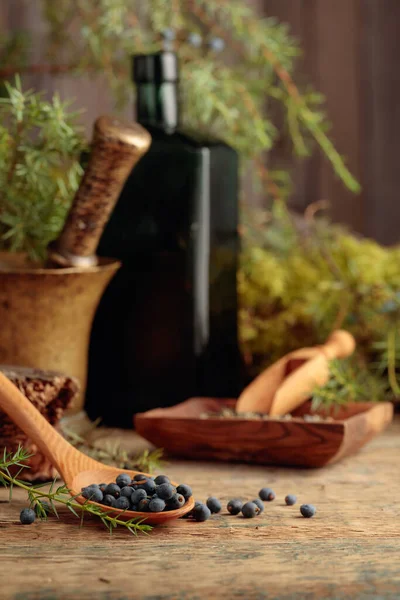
290	381
77	469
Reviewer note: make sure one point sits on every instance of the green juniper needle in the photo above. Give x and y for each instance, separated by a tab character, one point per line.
59	495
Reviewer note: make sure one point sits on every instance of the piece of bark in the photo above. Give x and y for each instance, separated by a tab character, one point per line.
51	393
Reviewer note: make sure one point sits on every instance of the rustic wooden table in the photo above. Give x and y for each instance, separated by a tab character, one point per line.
349	550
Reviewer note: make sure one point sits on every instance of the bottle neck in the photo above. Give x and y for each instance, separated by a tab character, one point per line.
157	105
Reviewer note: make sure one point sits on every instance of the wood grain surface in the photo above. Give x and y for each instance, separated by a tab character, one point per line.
349	550
183	433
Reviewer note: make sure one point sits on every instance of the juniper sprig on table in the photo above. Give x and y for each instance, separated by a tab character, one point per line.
349	381
58	495
113	453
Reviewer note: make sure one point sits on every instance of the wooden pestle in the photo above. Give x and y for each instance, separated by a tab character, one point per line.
289	382
116	148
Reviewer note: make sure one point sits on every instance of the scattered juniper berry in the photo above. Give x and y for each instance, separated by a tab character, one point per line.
165	491
185	490
214	504
177	501
234	506
90	487
307	510
137	496
93	494
108	500
122	503
190	514
123	479
267	494
126	491
161	479
143	505
149	487
27	516
201	512
103	486
113	489
156	504
291	499
250	510
140	477
260	504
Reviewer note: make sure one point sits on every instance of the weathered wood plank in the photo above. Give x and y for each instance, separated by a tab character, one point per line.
328	33
349	550
305	172
380	146
337	48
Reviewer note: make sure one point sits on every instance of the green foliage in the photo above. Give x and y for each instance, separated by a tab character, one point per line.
350	381
39	169
58	495
300	280
235	99
235	95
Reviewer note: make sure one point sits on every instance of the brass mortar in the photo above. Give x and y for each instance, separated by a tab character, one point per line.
46	316
46	311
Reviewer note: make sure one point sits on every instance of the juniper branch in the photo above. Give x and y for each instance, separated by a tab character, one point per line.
61	495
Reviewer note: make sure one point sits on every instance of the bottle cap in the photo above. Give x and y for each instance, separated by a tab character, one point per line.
160	67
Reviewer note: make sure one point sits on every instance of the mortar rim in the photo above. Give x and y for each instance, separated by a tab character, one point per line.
105	264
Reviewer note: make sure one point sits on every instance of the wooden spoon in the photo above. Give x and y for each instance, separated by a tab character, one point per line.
289	382
77	469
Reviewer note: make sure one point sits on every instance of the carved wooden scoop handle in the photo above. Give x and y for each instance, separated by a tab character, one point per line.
299	385
277	392
116	148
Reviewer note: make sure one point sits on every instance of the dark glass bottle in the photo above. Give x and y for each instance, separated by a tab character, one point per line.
166	328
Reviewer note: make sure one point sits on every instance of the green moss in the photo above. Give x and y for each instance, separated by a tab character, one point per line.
297	283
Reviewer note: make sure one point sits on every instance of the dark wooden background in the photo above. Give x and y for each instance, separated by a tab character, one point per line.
351	55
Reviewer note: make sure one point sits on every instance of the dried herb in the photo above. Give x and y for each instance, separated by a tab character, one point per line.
113	453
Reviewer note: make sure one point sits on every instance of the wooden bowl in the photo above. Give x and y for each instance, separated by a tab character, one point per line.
181	431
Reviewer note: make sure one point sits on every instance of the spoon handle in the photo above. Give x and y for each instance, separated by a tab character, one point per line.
299	385
340	344
35	426
275	391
